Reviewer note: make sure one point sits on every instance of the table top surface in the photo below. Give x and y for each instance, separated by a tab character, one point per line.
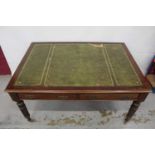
58	65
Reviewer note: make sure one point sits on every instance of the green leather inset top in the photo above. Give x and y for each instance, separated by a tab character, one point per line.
77	64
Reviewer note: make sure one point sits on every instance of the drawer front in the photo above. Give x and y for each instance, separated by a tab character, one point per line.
78	96
108	96
48	96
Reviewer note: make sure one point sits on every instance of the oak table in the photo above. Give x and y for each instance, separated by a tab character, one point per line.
78	71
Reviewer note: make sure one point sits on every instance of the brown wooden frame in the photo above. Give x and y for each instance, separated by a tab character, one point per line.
136	93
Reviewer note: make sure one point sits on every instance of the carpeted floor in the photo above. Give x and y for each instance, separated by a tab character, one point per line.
74	114
83	120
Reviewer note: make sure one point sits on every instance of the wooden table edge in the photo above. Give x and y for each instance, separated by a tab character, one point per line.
10	86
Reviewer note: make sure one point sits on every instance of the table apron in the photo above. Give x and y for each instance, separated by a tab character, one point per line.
61	96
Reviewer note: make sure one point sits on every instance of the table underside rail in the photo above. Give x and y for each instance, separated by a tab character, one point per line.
112	96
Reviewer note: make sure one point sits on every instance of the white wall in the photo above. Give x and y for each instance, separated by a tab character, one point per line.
140	40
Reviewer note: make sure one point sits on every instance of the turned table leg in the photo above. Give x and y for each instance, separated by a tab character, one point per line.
24	110
132	110
21	105
135	105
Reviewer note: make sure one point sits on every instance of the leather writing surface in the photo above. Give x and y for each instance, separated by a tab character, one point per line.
77	64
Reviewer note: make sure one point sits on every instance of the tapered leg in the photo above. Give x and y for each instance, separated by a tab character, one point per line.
24	110
20	103
132	110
